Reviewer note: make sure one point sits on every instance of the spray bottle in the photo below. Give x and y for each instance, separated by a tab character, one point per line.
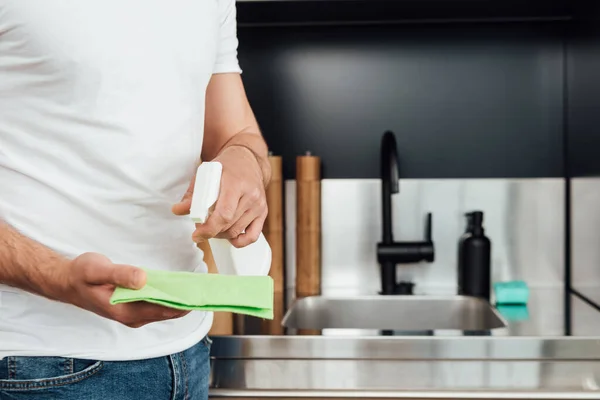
254	259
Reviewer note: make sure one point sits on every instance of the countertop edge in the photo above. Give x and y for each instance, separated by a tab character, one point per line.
397	394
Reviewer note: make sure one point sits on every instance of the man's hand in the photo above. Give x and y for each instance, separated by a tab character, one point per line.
91	280
241	208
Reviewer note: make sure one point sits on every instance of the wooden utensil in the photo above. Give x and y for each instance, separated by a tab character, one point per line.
273	231
223	321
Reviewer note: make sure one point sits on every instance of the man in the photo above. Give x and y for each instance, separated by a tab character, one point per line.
106	108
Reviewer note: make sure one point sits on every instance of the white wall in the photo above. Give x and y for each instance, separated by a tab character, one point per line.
524	218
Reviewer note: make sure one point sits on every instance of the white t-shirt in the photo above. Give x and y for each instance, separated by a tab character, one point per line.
101	127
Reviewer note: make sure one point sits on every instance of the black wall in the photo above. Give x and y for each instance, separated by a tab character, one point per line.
583	71
465	100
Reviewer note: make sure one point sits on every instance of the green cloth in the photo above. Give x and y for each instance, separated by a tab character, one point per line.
250	295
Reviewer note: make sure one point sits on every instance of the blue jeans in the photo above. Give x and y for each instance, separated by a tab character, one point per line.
181	376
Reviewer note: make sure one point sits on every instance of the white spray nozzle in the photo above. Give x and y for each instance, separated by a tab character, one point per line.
206	190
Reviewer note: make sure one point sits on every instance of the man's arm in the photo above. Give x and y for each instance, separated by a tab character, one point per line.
232	137
87	281
229	121
30	266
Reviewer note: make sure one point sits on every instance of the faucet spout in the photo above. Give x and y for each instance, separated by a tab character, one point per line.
390	171
390	176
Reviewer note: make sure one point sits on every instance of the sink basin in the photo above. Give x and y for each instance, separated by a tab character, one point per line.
403	313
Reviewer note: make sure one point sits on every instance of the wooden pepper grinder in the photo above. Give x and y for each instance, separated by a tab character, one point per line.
273	231
308	229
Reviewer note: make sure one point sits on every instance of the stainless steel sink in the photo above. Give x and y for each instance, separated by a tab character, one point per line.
402	313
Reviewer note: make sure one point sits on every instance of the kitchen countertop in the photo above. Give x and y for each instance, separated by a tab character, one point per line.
406	367
527	359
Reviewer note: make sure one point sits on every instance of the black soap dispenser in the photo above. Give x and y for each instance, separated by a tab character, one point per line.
461	246
474	264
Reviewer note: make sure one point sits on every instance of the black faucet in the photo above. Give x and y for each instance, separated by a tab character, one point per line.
390	253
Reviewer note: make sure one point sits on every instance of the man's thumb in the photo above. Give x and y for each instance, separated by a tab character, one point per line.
125	276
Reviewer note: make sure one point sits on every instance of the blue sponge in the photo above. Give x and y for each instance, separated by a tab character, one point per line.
513	312
512	292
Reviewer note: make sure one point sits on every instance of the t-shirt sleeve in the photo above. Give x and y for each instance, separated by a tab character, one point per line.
227	47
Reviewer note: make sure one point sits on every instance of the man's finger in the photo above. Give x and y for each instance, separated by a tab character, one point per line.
247	211
144	311
126	276
222	217
183	207
140	313
252	233
240	226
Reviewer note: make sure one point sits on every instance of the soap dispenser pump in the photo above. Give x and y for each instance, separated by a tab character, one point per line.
474	267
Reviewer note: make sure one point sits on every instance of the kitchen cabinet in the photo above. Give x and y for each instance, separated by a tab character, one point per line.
335	11
492	99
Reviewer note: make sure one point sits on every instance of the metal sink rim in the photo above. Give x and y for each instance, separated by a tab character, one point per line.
489	308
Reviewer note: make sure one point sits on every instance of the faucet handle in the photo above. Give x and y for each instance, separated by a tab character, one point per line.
428	228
